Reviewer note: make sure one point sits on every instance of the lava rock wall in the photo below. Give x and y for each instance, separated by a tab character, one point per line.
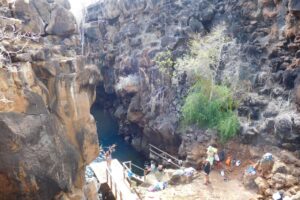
48	135
261	63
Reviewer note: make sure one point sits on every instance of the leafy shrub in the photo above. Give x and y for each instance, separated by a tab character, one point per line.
207	104
211	106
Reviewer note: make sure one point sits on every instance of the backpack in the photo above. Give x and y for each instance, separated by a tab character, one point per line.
222	155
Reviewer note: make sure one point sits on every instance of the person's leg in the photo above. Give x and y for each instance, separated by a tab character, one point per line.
109	164
206	179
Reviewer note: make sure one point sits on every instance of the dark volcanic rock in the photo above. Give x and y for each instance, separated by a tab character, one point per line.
62	22
294	5
259	62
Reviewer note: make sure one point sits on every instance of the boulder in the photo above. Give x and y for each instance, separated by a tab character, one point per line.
288	158
92	30
134	112
279	167
27	12
277	181
108	9
283	125
132	6
262	185
91	190
169	42
63	3
196	25
206	11
291	180
293	190
129	30
44	10
62	22
178	179
294	5
296	196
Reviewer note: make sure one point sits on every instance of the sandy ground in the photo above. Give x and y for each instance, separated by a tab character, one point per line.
218	189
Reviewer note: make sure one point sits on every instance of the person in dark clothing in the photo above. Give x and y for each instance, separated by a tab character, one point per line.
206	169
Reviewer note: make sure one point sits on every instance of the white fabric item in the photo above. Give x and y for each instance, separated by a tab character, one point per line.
217	157
276	196
222	173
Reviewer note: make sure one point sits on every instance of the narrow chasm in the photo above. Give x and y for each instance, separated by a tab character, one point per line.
108	129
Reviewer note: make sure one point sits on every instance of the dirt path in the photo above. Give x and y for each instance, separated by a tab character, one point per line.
218	190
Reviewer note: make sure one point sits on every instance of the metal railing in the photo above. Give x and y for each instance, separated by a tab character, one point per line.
129	166
165	156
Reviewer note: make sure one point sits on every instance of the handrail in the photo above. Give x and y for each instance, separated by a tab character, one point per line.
137	167
143	178
153	149
152	146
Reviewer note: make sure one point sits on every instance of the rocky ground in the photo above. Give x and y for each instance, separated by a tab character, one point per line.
219	189
281	176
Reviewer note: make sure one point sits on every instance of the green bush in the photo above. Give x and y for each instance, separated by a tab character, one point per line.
207	104
211	106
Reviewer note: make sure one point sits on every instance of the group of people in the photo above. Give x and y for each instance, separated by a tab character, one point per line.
214	158
153	167
211	159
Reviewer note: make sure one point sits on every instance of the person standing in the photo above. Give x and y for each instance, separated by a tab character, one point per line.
206	169
211	154
108	157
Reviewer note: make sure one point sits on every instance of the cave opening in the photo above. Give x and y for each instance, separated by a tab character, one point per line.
108	128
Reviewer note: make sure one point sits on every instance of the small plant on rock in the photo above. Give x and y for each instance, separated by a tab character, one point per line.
165	61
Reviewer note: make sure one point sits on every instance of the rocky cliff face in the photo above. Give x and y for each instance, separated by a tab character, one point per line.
262	59
261	62
46	90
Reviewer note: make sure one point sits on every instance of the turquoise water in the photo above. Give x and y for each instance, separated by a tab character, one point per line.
107	128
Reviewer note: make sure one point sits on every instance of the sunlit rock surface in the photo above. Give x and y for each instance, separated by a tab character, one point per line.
48	135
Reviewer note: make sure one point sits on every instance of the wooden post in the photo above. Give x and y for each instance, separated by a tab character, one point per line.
110	184
124	174
106	175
